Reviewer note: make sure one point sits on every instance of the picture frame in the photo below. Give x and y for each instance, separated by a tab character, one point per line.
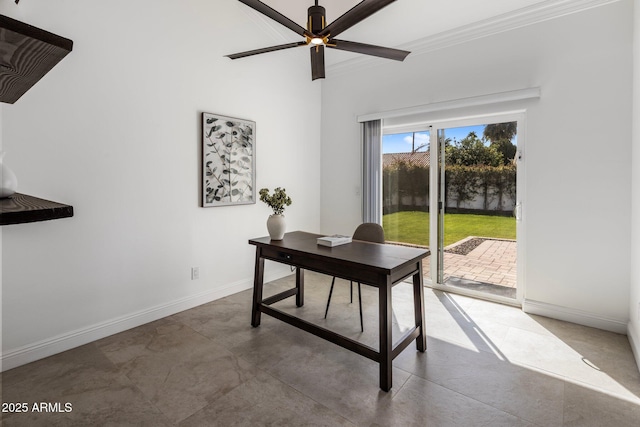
228	161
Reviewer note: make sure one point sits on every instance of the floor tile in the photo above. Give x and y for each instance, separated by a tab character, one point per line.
86	380
179	370
424	403
485	364
340	380
263	400
585	407
490	379
557	357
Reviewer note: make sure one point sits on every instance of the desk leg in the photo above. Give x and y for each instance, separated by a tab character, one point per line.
258	281
418	308
386	341
300	286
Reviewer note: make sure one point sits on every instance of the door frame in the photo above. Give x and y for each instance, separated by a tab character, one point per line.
435	126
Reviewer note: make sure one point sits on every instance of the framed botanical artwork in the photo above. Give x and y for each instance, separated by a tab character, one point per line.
228	161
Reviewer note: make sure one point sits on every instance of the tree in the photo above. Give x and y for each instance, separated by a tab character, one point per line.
471	151
501	135
507	149
500	131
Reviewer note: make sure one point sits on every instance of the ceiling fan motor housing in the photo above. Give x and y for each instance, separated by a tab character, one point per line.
316	19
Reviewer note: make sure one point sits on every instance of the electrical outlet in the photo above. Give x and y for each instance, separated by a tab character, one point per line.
195	273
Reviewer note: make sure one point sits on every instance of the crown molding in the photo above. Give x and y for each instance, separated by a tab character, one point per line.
493	98
523	17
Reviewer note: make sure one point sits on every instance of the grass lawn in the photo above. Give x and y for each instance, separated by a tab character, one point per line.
413	227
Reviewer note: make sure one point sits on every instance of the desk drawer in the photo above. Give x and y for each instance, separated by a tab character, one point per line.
279	256
329	266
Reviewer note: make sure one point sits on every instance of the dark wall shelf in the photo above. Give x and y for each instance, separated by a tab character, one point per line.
28	53
20	208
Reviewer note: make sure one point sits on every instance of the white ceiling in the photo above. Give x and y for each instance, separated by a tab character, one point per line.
404	20
400	22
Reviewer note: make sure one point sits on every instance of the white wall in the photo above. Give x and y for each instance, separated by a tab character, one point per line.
577	144
634	307
114	130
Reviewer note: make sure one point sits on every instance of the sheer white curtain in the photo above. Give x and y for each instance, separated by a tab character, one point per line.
372	170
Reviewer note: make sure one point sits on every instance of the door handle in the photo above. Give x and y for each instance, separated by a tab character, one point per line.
517	211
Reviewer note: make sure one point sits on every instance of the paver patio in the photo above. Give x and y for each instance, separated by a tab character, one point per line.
492	263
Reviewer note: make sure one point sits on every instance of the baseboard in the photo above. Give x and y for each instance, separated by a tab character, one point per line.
50	346
575	316
634	341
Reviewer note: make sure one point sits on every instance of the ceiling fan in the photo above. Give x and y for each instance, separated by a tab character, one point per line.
318	34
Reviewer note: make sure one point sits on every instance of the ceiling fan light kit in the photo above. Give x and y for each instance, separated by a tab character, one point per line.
318	34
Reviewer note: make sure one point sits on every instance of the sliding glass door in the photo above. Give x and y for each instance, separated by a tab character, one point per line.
453	187
405	187
477	229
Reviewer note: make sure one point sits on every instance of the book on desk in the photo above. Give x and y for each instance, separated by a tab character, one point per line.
335	240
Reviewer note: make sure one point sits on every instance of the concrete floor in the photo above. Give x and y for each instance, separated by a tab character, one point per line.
486	365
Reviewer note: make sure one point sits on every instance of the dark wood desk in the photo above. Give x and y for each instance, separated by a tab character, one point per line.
378	265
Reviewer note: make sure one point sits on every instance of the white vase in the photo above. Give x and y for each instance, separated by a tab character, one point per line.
9	182
276	226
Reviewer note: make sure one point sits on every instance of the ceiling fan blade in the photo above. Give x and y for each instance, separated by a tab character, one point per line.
356	14
276	16
317	62
265	50
369	49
